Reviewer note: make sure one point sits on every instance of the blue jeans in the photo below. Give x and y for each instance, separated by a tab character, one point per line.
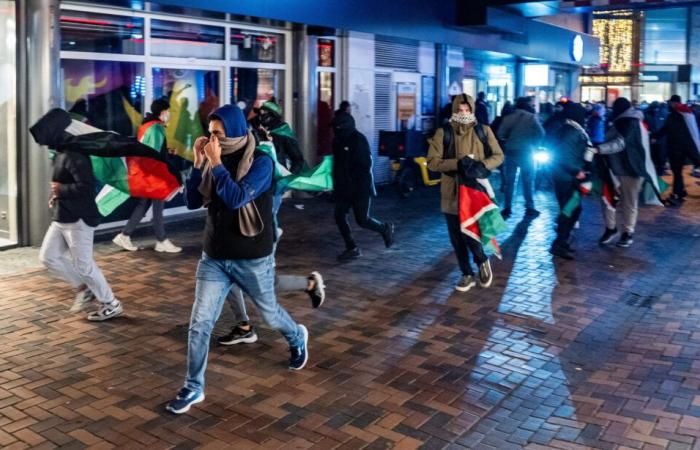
256	277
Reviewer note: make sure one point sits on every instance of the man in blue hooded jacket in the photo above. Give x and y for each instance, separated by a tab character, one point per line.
233	180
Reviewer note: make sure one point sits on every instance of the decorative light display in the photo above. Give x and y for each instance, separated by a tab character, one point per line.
615	29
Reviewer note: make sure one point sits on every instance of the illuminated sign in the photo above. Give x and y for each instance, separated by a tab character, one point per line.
576	49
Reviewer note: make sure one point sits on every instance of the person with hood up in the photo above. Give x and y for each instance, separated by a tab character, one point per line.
682	144
452	147
570	144
353	184
629	160
233	180
151	133
283	137
595	127
521	134
482	108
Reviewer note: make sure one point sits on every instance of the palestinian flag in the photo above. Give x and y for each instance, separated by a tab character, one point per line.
317	179
284	130
126	167
479	217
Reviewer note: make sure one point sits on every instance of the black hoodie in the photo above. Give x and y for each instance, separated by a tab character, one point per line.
352	160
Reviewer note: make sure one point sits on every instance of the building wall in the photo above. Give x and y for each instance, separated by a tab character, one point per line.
694	51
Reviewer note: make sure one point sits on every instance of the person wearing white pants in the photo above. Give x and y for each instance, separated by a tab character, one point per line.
67	250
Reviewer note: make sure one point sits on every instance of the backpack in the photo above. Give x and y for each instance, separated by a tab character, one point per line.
448	149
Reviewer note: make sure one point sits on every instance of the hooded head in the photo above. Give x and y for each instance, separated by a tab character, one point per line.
599	109
270	115
159	110
343	124
675	100
620	106
525	103
507	109
463	111
231	122
575	112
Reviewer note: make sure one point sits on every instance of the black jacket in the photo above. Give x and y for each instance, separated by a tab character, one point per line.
678	138
287	149
76	197
222	233
569	144
352	165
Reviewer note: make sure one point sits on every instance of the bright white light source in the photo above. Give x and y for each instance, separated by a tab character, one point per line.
541	157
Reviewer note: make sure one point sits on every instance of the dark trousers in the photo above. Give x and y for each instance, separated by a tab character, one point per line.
360	206
510	170
564	189
463	244
677	159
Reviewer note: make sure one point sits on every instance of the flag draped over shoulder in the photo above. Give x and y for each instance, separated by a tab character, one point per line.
317	179
479	216
126	167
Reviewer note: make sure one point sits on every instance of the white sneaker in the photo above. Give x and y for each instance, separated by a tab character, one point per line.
124	242
107	311
82	300
166	246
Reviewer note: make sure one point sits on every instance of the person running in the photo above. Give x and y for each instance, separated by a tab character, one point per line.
67	250
151	133
233	180
570	143
521	133
682	143
353	185
628	163
452	146
286	143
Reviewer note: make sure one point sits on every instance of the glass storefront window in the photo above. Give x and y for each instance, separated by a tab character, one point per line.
193	95
108	94
101	33
326	52
324	113
188	12
255	46
655	92
186	40
8	125
251	87
665	35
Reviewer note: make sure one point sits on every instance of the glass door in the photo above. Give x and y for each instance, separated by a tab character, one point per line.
8	125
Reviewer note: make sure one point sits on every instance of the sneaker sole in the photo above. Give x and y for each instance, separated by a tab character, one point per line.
465	288
487	284
306	347
248	340
125	248
321	288
168	251
624	245
186	408
102	319
607	241
79	308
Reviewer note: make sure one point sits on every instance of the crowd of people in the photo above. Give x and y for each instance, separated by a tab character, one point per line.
615	152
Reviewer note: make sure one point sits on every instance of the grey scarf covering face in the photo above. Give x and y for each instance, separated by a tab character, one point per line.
249	219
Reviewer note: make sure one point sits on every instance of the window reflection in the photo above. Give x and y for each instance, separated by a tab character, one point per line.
252	87
193	95
186	40
103	33
107	94
256	46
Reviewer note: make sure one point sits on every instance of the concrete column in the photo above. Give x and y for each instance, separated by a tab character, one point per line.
39	90
304	92
694	47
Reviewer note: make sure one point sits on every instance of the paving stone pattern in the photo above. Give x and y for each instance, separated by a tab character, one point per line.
601	352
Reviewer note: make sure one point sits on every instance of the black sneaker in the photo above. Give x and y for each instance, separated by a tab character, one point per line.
561	251
531	212
608	236
350	254
505	213
239	336
625	241
465	283
485	274
318	292
300	355
388	235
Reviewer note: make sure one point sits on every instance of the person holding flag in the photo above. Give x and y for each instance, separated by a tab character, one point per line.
466	147
682	142
151	133
283	137
572	155
67	249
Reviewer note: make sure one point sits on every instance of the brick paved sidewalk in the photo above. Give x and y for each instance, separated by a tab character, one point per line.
601	352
